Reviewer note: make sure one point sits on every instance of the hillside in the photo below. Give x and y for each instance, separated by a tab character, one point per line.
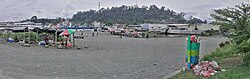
130	15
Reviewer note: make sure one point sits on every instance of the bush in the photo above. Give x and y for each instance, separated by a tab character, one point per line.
232	50
244	49
23	36
60	38
246	58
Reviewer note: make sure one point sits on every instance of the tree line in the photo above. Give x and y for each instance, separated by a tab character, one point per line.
132	15
236	21
123	15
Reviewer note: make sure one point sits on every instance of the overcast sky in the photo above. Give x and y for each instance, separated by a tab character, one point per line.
13	10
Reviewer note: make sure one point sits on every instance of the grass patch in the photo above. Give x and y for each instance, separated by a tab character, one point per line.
220	53
233	66
229	59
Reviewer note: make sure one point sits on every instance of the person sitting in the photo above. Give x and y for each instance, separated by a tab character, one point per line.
26	41
46	39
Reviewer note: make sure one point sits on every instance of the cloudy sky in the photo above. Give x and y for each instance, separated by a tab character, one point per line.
13	10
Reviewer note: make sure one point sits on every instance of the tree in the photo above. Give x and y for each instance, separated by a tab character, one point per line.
205	22
182	14
236	20
163	8
153	7
195	21
33	19
130	15
190	17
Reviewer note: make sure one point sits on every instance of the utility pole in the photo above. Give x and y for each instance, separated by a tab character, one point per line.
136	3
66	15
99	6
29	36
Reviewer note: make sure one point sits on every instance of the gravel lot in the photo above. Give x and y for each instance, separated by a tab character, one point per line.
108	57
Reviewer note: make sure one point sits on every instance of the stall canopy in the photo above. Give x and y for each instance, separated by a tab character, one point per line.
67	32
36	29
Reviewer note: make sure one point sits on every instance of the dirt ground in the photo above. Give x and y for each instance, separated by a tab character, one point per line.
107	57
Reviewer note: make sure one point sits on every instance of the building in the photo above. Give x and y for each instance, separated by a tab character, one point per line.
205	27
28	24
190	29
134	27
154	27
179	26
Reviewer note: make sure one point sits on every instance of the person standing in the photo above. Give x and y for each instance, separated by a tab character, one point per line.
46	40
66	41
97	34
81	32
121	36
147	36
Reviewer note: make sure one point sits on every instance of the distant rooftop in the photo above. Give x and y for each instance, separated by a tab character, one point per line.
178	24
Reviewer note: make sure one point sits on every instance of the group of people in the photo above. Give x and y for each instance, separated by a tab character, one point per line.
66	43
136	35
47	41
93	34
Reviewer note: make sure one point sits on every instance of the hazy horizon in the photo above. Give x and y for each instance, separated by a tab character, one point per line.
14	10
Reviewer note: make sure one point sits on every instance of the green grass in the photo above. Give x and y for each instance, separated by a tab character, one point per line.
238	72
232	65
228	59
21	36
220	53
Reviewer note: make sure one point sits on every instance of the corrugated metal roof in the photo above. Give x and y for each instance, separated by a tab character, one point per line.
205	27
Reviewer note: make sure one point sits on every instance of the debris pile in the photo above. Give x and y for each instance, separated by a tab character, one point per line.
206	68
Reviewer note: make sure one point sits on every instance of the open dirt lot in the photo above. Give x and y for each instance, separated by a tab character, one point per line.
108	57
